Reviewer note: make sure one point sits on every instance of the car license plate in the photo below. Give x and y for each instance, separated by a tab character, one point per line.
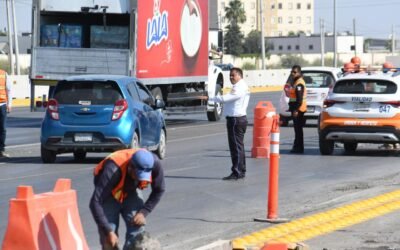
82	137
361	106
311	109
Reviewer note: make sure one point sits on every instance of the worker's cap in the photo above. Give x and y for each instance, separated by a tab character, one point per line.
143	161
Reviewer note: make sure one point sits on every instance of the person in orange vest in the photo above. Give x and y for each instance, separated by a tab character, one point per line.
5	106
297	106
118	180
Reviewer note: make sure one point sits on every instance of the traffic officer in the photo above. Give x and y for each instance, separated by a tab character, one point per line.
118	181
5	107
235	111
297	107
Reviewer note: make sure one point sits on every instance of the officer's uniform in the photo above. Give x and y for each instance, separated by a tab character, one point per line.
297	102
5	103
235	110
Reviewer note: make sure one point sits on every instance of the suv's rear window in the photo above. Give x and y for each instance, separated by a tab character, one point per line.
318	79
87	93
365	87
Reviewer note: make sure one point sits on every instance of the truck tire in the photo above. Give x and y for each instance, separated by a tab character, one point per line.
48	156
326	146
216	114
162	145
79	155
350	147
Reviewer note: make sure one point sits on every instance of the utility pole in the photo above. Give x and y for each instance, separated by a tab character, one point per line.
262	36
15	37
322	31
334	35
355	39
10	45
393	40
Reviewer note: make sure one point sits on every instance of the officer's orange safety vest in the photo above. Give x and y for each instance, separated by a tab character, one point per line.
122	159
292	94
3	87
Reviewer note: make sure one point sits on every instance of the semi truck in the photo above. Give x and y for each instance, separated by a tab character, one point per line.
163	43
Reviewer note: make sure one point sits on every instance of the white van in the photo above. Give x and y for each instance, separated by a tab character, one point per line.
318	82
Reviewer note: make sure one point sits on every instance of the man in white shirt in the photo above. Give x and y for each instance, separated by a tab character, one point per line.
235	110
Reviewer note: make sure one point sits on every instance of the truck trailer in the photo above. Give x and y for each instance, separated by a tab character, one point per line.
164	43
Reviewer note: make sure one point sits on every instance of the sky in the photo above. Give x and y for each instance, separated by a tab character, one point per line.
374	18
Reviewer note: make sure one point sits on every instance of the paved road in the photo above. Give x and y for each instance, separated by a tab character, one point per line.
199	208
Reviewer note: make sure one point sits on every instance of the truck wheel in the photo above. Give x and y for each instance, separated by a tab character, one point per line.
216	114
79	155
48	156
162	145
135	143
326	146
350	147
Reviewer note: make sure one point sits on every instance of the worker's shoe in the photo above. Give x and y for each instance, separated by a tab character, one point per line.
4	155
233	177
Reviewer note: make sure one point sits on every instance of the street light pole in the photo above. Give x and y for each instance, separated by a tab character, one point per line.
334	35
262	36
15	37
10	44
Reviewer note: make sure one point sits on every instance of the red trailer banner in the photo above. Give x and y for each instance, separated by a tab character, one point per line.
172	39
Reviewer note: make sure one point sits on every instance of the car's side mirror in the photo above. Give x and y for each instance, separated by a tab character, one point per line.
159	104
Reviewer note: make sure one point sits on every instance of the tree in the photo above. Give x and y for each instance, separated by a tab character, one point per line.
235	15
252	43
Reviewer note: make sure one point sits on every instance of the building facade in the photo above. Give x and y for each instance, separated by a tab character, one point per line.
281	17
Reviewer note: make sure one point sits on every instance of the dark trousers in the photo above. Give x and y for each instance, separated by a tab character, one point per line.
298	123
3	117
236	127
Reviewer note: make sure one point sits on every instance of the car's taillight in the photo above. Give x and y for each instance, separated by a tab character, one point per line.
119	109
52	108
330	103
395	104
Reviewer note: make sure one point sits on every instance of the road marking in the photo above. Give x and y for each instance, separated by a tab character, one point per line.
195	137
23	145
48	173
322	223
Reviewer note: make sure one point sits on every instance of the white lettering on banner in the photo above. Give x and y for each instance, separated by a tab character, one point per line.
48	234
360	123
77	238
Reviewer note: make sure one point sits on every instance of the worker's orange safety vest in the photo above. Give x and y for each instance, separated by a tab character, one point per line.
292	94
3	87
122	159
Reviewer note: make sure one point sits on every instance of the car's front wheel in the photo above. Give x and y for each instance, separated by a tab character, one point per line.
326	146
162	145
48	156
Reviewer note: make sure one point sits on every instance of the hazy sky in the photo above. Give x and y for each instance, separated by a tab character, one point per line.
374	18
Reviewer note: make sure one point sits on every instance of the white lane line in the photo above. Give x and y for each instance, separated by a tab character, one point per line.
48	173
204	125
195	137
23	145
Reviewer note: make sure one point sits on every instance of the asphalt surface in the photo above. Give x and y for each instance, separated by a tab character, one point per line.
198	207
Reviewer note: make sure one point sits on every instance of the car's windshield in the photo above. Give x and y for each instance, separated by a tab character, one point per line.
318	79
365	86
87	93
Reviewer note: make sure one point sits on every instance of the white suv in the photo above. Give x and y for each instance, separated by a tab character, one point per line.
361	108
318	81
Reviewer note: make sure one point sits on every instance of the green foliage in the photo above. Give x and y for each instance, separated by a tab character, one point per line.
248	66
328	62
233	40
289	60
4	65
235	12
2	33
252	43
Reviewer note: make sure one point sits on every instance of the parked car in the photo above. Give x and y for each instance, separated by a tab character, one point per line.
101	113
225	66
318	81
361	108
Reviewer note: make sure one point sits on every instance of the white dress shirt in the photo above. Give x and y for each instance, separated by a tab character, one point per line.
236	101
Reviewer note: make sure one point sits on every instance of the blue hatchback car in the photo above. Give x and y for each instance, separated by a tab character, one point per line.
101	113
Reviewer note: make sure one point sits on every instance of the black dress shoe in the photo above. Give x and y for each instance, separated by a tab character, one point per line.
231	177
296	151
